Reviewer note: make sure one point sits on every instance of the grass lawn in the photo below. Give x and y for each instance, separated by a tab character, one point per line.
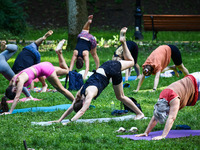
17	127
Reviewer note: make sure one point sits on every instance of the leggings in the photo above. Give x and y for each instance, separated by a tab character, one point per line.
5	69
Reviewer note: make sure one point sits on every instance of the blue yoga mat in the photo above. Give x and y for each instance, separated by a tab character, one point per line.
44	109
131	78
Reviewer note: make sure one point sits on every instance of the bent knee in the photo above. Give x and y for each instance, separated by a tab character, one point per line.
120	97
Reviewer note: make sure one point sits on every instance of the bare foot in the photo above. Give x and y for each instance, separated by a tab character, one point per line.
139	116
3	45
138	77
44	88
59	46
49	33
123	34
175	71
90	17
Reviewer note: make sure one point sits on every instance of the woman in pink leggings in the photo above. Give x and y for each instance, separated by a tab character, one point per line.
25	77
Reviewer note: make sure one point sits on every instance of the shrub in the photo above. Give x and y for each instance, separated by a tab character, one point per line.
12	17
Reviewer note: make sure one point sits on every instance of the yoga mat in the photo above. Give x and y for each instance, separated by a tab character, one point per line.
131	78
172	134
44	109
24	100
90	120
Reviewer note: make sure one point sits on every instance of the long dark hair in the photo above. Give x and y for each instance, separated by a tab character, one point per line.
4	106
78	105
9	93
79	63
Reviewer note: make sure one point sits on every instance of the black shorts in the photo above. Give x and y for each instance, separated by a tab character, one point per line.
113	70
176	55
82	45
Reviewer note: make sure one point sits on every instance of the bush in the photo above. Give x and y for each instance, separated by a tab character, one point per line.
12	17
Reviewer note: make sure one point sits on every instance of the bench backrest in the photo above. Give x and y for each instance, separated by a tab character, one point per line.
172	22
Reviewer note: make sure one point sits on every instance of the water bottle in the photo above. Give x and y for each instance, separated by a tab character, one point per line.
112	104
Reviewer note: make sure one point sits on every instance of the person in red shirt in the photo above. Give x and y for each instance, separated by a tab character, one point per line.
184	92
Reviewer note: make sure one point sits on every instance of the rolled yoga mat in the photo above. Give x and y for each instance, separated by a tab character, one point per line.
172	134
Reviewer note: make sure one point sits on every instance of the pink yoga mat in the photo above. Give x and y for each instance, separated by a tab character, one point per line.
23	100
172	134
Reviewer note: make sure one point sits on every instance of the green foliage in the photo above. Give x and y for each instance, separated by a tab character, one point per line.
17	127
12	17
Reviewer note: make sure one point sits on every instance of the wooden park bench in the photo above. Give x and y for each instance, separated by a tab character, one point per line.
157	23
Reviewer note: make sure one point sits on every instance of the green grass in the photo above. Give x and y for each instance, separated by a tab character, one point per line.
17	127
61	33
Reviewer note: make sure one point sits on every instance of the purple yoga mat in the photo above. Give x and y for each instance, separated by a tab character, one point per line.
172	134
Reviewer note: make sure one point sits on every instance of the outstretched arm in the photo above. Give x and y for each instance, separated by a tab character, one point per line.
91	92
174	108
151	125
69	110
156	80
87	64
74	57
140	82
95	56
18	93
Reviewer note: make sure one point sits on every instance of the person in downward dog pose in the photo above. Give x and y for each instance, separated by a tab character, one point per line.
184	92
7	52
99	81
85	43
25	77
30	56
158	62
133	48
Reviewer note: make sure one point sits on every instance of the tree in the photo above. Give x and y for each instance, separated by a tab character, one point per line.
77	15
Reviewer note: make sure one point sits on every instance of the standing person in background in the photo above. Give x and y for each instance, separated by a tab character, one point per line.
159	60
30	56
85	43
133	48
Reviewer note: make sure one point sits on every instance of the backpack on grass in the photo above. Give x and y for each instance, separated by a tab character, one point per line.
135	102
75	80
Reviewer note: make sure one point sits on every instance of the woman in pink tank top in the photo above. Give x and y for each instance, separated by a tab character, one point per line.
25	77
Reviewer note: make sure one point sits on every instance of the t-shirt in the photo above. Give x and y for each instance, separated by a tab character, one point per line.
159	58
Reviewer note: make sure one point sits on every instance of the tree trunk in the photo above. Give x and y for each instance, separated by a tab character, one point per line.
77	16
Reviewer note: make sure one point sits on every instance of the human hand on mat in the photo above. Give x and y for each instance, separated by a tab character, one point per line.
135	91
64	124
142	134
29	98
5	113
158	138
55	121
152	91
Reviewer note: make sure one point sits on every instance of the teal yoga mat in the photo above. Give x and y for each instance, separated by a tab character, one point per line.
131	78
43	109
